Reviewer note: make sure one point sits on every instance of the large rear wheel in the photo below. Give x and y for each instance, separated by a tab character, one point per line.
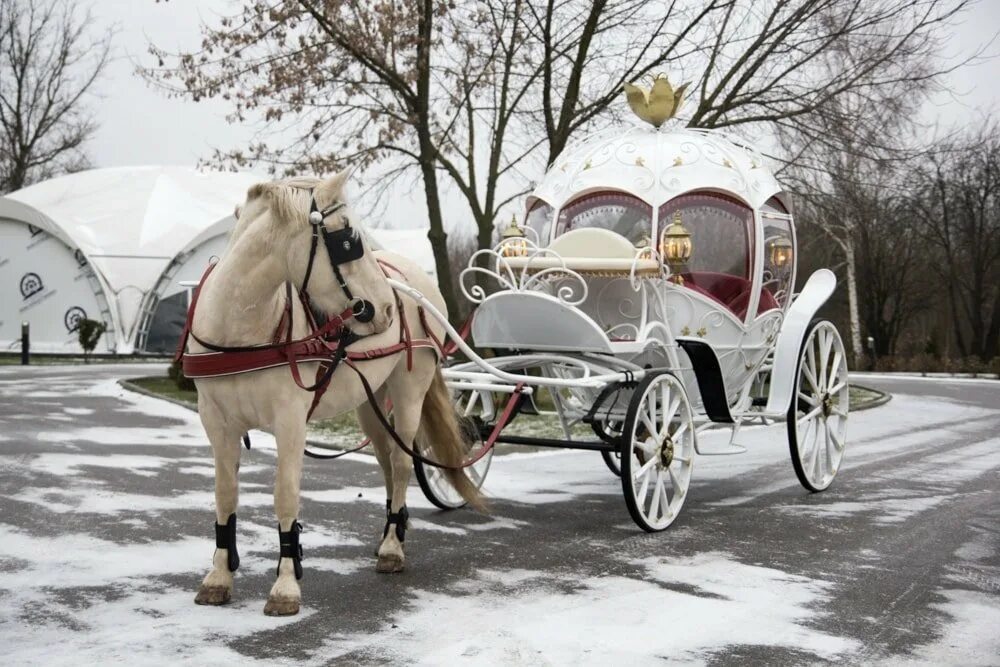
817	417
657	451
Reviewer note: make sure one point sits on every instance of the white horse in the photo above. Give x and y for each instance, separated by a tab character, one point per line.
241	303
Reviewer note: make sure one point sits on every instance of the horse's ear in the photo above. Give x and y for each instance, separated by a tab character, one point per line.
332	187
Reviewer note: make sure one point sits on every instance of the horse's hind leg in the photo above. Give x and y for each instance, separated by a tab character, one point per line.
290	433
217	587
407	394
383	446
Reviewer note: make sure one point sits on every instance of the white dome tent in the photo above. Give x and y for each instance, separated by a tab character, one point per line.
112	245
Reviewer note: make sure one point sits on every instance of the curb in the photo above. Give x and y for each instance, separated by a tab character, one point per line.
131	386
882	398
939	376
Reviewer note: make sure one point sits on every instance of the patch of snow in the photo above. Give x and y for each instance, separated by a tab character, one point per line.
970	639
607	620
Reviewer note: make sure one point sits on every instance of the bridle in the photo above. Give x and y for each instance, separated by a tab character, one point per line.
342	246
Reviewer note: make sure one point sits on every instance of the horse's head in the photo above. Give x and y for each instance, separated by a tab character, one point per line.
326	251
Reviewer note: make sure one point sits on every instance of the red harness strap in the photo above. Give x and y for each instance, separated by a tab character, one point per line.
186	332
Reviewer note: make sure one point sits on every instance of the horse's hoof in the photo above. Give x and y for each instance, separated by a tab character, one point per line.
281	607
389	564
212	595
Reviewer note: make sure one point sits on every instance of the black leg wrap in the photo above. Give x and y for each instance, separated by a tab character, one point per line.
290	547
225	538
399	519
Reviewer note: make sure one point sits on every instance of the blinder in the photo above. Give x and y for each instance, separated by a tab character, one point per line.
342	246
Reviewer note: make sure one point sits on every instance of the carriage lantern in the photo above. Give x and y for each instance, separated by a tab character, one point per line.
781	252
514	243
675	244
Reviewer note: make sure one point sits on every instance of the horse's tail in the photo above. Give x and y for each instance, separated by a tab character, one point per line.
440	433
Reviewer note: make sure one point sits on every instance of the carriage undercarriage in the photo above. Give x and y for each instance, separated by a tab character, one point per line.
641	418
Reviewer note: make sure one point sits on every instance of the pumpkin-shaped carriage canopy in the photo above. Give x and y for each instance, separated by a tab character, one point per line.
701	205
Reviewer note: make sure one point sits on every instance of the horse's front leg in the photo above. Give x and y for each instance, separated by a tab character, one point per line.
290	433
217	587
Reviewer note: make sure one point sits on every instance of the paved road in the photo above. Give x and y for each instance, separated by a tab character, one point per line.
105	532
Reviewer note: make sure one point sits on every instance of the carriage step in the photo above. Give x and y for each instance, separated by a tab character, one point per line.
726	451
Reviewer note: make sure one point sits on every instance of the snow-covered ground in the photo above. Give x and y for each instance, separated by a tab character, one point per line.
105	532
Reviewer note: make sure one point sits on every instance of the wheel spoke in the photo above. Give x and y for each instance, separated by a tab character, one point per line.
664	500
809	415
678	487
835	366
681	430
807	398
643	489
826	344
650	427
828	448
837	442
808	373
654	506
837	387
817	472
645	468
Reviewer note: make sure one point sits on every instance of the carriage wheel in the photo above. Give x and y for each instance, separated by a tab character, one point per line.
657	452
472	407
817	417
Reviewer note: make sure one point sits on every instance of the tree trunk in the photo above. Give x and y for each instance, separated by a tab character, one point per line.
857	350
439	239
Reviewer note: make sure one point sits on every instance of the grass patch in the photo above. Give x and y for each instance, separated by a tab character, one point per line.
341	431
344	431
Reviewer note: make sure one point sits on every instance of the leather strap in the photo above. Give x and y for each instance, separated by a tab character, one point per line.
290	548
225	538
512	403
399	519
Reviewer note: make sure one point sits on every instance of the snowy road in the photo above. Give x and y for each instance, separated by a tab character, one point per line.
106	530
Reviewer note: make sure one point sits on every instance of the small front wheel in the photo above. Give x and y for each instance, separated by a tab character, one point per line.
817	417
473	408
657	451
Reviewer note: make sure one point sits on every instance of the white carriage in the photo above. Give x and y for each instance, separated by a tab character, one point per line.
649	294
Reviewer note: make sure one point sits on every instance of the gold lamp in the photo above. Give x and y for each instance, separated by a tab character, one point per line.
676	246
513	243
781	252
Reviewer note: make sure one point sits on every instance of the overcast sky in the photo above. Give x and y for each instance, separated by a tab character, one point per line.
139	125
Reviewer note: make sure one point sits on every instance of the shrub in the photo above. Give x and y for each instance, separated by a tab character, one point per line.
88	333
183	382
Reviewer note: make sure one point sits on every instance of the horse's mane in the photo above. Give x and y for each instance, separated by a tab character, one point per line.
288	200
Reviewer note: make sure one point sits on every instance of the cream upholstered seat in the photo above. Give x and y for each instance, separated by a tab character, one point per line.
589	250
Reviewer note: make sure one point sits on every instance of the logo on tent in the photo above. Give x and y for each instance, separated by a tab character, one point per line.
35	231
73	317
80	259
31	284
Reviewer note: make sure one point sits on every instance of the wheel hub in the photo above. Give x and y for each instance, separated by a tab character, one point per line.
666	452
827	403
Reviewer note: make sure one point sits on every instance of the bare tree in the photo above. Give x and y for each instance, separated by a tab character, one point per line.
476	98
960	216
50	57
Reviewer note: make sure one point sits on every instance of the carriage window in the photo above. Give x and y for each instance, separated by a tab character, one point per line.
615	211
540	220
779	255
720	228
